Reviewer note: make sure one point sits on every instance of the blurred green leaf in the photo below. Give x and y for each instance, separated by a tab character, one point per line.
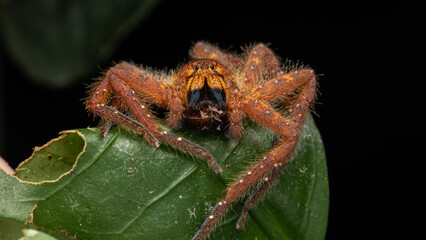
32	234
11	230
56	42
123	188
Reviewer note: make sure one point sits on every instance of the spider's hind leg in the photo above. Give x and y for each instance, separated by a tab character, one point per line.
261	61
204	50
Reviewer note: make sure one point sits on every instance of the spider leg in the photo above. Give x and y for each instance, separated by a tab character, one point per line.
279	86
297	116
235	118
260	58
257	193
284	83
203	50
98	103
175	110
106	124
275	160
121	83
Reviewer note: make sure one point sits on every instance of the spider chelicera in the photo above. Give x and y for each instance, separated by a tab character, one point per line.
215	88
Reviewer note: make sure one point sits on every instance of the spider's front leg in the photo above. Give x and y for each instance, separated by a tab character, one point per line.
276	87
257	172
125	81
270	166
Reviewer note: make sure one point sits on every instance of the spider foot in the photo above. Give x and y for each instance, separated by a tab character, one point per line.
106	127
192	148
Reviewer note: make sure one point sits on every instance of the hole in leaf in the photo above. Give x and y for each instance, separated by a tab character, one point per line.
53	160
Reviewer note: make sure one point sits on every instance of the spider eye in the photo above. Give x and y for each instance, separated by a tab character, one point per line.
211	66
197	67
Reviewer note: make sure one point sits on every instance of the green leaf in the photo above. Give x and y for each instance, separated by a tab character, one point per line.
62	41
122	188
50	162
11	230
32	234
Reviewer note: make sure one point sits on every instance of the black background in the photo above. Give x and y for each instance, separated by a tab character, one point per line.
368	113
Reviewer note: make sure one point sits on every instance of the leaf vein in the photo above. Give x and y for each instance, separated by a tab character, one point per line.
155	199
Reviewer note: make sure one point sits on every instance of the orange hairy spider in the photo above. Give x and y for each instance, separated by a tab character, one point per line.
214	88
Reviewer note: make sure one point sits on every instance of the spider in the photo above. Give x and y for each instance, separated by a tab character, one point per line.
214	89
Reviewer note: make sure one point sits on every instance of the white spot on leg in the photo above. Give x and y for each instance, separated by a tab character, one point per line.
211	216
179	139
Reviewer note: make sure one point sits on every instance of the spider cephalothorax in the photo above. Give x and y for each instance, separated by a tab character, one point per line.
215	88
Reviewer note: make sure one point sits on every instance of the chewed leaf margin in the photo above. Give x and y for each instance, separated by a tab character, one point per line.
37	150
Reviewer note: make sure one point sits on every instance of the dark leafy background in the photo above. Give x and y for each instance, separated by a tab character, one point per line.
367	107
